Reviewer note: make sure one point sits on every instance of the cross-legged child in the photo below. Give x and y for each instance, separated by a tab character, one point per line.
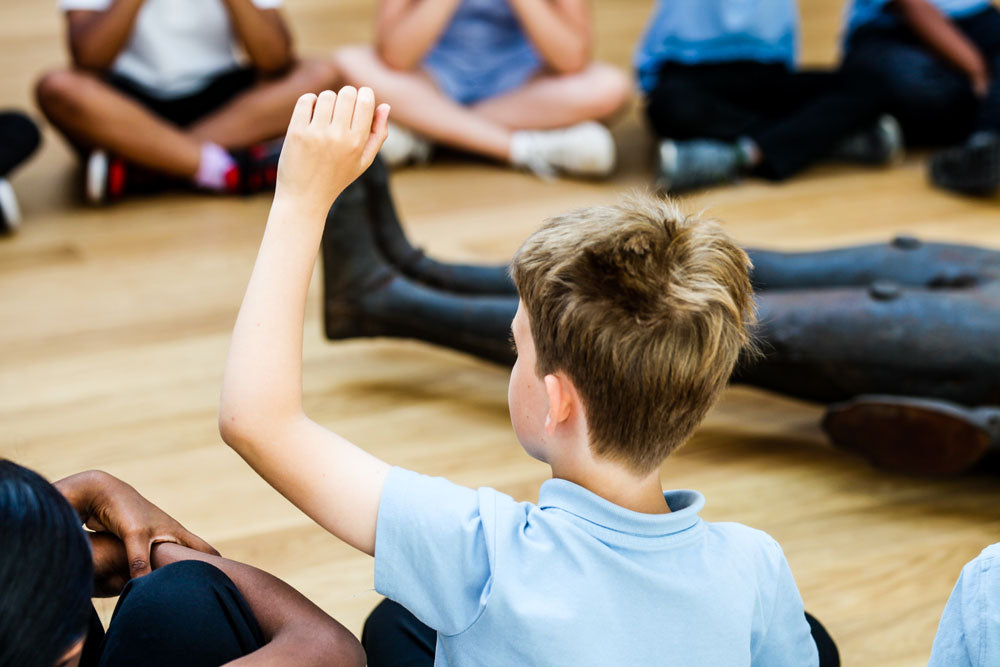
725	98
508	79
156	84
631	319
938	60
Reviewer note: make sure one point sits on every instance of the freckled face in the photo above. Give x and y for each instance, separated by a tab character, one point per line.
526	396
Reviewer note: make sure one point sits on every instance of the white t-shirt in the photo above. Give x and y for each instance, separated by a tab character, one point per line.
176	46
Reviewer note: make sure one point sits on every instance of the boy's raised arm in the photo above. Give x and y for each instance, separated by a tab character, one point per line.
331	139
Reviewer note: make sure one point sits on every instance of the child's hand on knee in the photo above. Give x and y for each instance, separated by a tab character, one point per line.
332	138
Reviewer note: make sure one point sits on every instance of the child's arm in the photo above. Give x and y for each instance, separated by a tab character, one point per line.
941	35
95	38
296	630
559	29
263	34
406	30
330	141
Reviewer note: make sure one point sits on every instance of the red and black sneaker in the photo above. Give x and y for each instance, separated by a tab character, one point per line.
256	168
106	177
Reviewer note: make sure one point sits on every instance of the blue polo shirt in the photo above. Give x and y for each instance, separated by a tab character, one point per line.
969	632
876	12
693	32
577	580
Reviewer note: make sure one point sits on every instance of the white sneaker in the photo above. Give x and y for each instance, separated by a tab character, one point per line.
404	146
10	214
585	149
97	176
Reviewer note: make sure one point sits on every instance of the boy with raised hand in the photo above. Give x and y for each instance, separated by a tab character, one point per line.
631	320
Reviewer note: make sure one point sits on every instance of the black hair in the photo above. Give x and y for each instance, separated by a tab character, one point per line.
46	570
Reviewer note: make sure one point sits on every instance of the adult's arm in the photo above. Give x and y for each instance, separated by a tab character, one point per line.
405	30
560	31
296	630
264	35
945	39
331	140
106	504
96	37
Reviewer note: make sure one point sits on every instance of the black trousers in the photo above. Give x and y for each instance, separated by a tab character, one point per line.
393	637
187	613
18	139
933	100
796	118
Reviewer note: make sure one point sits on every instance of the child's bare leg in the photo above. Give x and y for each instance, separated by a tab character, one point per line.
559	100
418	104
91	113
263	112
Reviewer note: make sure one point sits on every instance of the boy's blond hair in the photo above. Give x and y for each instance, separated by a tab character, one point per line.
646	310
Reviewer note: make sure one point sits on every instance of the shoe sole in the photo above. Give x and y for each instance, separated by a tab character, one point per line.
97	177
9	210
909	435
668	165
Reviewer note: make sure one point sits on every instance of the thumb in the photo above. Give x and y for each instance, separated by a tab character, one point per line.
137	551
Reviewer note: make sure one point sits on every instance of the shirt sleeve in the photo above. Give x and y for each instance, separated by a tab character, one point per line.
786	638
92	5
434	548
969	632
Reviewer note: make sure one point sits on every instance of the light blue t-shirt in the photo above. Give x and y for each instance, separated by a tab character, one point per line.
577	580
694	32
877	12
969	632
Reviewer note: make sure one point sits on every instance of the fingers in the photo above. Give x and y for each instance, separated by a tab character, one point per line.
344	111
137	550
323	112
379	131
363	110
302	112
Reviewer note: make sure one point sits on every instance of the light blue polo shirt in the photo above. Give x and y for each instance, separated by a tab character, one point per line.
693	32
577	580
877	12
969	632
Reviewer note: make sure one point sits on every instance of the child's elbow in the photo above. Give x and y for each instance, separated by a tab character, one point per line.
572	61
234	428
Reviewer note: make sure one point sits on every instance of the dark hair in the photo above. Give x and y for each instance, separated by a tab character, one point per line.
46	570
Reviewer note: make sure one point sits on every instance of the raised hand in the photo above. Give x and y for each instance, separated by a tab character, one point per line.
332	138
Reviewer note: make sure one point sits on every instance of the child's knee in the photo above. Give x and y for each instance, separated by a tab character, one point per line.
57	90
613	89
355	60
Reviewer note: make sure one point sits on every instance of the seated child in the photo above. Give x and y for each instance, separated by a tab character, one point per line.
18	140
631	319
969	632
156	84
510	80
938	61
724	96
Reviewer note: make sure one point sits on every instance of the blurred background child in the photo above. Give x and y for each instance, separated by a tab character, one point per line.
512	80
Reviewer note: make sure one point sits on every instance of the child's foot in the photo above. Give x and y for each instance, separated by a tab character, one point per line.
106	177
256	168
10	213
404	146
697	163
972	169
585	149
879	144
914	435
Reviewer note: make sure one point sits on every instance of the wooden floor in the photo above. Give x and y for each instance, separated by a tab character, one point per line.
116	320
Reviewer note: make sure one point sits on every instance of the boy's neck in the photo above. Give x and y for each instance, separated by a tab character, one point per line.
616	484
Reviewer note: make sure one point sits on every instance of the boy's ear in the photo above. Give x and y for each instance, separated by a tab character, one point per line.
561	397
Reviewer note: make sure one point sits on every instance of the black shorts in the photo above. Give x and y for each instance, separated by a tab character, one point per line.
184	111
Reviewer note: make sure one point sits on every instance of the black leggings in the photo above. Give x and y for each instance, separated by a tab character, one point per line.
187	613
393	637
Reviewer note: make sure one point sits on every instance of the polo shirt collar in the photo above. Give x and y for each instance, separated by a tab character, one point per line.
565	495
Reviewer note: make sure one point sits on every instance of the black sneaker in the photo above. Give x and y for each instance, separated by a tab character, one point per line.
880	144
697	163
256	168
972	168
10	214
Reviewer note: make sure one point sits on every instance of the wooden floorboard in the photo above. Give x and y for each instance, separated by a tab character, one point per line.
116	321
